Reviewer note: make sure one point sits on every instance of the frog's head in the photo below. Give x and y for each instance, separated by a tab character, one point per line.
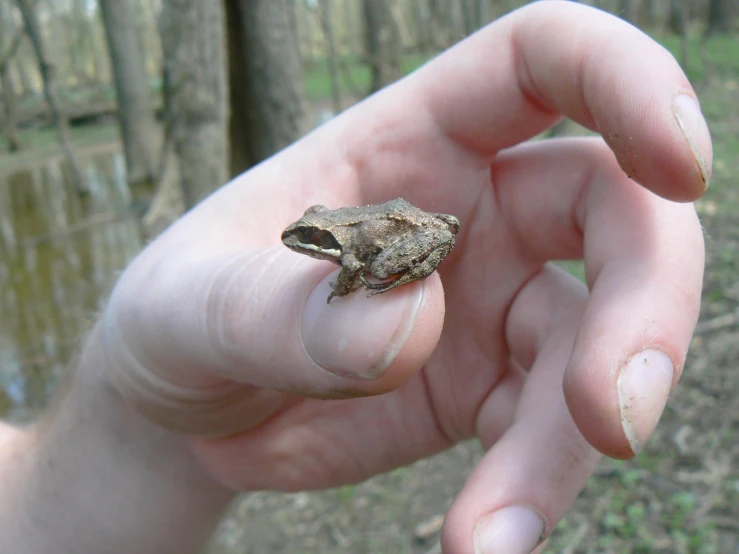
312	235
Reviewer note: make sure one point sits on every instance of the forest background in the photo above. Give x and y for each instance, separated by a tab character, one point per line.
116	116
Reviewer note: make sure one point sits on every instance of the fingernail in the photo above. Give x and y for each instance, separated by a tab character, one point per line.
356	336
695	130
643	387
511	530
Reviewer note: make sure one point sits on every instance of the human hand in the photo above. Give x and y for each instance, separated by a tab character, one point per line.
218	331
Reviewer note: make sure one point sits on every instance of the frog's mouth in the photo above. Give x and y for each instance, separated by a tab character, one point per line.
318	252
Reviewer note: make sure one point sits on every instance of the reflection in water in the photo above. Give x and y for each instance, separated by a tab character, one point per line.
60	251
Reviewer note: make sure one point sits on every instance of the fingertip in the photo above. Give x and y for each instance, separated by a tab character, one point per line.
595	418
360	337
695	131
676	157
425	334
619	422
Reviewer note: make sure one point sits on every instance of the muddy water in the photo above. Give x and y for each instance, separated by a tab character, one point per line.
60	252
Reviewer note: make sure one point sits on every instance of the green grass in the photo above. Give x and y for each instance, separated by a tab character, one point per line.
40	143
354	77
715	56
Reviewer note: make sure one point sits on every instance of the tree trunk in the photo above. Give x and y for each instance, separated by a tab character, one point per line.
424	26
128	64
10	115
468	17
481	13
9	106
47	75
382	44
679	25
196	95
440	32
84	46
21	69
333	65
351	33
720	16
455	20
265	81
628	10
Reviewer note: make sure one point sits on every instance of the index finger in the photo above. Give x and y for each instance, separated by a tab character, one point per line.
515	78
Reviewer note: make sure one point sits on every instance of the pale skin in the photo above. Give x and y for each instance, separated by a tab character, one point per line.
208	370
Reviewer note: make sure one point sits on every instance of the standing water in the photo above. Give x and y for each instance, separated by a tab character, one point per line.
60	252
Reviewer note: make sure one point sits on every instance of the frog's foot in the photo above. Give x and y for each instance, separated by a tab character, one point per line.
374	286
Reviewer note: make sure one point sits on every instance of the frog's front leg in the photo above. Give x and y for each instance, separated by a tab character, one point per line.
349	277
421	270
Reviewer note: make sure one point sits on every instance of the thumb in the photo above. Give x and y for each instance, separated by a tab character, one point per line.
201	342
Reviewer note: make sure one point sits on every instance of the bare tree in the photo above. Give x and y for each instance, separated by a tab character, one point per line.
9	118
33	29
136	119
629	10
10	112
22	71
446	22
325	11
720	16
423	26
196	94
84	49
382	44
679	25
265	80
469	16
481	12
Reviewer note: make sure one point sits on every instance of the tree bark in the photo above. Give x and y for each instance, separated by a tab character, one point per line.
440	31
84	46
382	44
333	65
628	10
468	17
265	80
196	96
21	69
481	13
679	25
139	131
33	29
423	26
10	115
9	119
720	16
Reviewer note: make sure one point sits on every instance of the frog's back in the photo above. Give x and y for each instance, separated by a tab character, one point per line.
393	209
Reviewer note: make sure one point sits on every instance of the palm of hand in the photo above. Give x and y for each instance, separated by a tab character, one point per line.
246	347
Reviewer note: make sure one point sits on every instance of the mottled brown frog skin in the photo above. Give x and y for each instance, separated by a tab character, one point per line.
394	242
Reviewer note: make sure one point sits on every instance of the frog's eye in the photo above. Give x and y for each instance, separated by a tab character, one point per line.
304	234
325	240
317	237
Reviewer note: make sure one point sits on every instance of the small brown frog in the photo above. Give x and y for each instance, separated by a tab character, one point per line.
394	242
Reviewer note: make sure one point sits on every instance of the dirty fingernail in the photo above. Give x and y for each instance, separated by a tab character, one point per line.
356	336
643	387
511	530
695	130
